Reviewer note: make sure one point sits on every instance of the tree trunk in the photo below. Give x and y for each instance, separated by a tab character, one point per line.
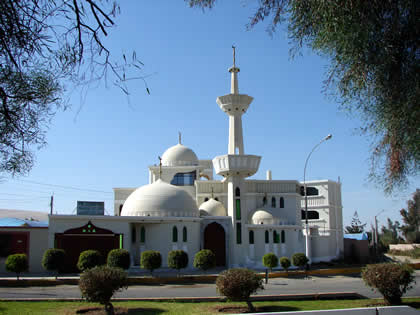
109	308
251	307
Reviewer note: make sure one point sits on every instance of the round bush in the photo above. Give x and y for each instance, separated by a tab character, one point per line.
17	263
177	259
54	259
89	259
204	259
299	260
270	261
238	284
391	280
100	283
150	260
285	263
119	258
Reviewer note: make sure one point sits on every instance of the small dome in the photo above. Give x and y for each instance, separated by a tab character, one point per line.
179	155
264	217
160	199
213	208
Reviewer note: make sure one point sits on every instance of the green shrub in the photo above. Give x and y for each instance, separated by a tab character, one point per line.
100	283
89	259
270	261
53	260
17	263
299	260
204	259
118	258
177	259
238	284
391	280
150	260
285	263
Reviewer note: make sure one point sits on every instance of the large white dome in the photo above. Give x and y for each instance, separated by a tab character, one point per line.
179	155
213	208
160	199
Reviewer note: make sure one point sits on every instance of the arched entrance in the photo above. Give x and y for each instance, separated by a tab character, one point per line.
215	240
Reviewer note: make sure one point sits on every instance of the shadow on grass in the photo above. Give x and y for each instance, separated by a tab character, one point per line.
415	305
145	311
277	308
120	311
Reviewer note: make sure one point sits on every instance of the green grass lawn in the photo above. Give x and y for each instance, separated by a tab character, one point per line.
185	308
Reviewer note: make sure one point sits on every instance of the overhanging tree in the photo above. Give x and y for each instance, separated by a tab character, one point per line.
46	46
373	48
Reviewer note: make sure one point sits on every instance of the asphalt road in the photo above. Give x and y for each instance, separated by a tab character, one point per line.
277	286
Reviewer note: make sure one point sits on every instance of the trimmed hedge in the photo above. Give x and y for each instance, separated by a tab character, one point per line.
285	263
17	263
89	259
300	260
204	259
119	258
270	261
53	260
151	260
177	259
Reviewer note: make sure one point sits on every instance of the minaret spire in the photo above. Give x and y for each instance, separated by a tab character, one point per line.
179	137
234	88
160	167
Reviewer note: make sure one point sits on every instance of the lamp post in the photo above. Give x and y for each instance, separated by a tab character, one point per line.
306	196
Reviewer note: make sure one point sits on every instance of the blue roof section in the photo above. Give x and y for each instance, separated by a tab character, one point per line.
14	222
357	236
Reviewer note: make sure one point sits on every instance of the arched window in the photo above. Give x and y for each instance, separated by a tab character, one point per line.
312	215
273	202
174	234
264	201
133	235
237	192
267	237
281	202
142	234
184	234
283	236
217	199
251	237
276	238
238	233
121	206
206	199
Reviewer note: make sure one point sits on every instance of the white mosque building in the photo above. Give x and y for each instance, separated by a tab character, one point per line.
184	207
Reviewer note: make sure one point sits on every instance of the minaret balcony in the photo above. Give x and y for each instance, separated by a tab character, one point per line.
236	165
233	104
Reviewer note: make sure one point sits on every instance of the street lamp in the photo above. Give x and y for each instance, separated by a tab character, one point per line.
306	196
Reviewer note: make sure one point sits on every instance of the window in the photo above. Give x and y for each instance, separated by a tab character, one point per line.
312	215
174	234
251	237
133	235
238	233
273	202
121	206
217	199
237	192
276	238
311	191
184	234
142	234
283	236
264	201
184	179
267	237
206	199
281	202
238	209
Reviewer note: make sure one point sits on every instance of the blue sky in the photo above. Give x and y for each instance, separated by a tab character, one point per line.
107	140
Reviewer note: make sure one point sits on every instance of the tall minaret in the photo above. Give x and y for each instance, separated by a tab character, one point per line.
235	167
235	105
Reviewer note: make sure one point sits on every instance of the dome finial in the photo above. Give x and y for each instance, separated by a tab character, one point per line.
160	167
179	137
233	70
